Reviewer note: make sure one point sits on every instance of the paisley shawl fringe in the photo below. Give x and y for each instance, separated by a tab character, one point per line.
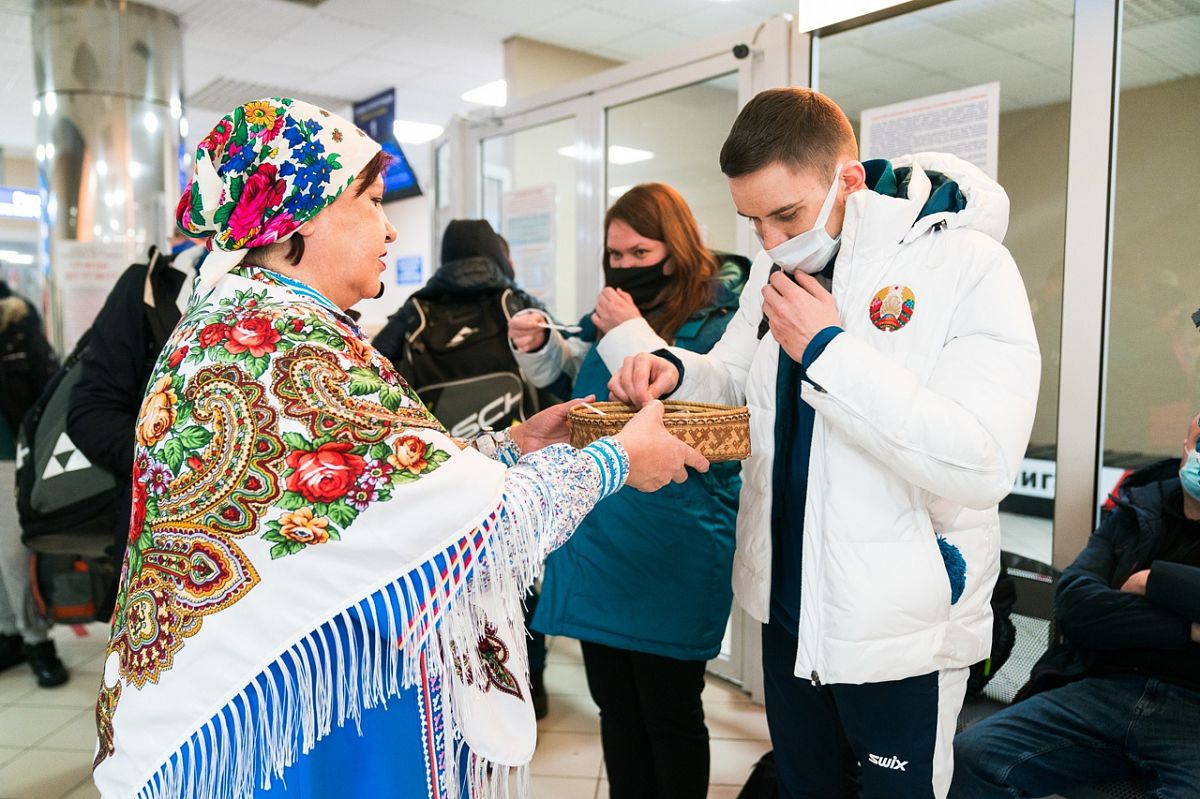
340	669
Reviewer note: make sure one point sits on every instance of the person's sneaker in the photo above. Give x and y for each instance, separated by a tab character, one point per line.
12	650
537	691
43	659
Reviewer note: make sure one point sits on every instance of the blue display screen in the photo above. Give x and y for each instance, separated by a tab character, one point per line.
398	181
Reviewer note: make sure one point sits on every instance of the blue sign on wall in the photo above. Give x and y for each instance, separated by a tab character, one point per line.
408	270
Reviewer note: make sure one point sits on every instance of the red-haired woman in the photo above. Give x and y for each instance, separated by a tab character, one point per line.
645	583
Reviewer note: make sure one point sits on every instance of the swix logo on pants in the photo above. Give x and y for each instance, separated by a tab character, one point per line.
893	762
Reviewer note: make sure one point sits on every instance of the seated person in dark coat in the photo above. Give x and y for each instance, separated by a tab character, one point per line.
1120	697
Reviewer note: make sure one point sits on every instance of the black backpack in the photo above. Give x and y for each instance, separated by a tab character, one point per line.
457	359
72	589
67	505
763	782
65	502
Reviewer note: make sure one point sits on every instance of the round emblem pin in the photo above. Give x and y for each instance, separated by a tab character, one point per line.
892	308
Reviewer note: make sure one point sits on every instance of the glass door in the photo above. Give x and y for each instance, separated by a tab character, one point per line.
549	169
674	137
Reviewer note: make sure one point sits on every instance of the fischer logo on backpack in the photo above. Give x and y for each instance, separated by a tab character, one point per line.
458	361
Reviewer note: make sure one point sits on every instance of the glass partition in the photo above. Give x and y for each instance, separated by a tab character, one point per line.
1026	48
528	184
1153	363
675	138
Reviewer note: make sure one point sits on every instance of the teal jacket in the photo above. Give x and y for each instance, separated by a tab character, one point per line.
651	572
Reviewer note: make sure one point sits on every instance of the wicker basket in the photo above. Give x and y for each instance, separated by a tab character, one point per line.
719	432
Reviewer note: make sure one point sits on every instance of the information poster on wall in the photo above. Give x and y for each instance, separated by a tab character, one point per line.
84	273
528	224
965	123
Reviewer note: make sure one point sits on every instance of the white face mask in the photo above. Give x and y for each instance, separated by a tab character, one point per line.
810	251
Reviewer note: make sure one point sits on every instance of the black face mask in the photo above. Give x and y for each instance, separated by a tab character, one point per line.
643	283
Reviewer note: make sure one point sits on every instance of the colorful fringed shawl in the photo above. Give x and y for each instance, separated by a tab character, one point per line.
306	543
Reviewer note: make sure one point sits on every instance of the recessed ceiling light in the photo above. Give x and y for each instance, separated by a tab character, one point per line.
814	14
493	94
627	155
415	132
616	154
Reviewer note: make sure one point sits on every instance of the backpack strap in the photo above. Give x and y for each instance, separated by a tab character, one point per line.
161	280
508	304
418	328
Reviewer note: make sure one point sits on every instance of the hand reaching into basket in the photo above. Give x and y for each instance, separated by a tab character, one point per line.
643	377
655	456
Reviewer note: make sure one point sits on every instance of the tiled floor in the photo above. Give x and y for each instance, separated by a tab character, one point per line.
47	736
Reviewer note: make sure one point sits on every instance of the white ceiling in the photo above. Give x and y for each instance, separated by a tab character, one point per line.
1024	44
431	51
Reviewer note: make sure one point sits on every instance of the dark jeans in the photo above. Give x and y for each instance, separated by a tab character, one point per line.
875	740
651	722
1094	730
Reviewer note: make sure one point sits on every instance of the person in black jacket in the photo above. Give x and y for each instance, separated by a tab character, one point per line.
27	363
450	339
1120	697
476	263
126	339
450	342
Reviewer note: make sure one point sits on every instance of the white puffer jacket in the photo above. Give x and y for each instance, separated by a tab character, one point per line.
918	434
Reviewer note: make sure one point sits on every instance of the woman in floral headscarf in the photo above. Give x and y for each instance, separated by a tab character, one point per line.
321	593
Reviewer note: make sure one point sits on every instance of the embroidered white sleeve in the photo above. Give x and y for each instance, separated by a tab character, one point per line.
555	487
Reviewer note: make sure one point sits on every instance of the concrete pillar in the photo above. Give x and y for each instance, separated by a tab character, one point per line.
109	108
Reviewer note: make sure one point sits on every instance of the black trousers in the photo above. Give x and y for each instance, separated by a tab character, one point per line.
874	741
651	722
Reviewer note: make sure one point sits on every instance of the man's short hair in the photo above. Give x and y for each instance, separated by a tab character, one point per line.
799	128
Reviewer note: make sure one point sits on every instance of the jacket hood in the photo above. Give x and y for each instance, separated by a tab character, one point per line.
733	272
1148	490
913	193
466	276
474	238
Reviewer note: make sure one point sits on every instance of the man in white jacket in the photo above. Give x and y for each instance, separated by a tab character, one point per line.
885	347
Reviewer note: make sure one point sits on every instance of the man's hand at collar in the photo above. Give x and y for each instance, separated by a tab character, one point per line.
798	307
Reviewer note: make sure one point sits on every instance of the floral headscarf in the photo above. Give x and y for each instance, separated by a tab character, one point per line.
264	170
